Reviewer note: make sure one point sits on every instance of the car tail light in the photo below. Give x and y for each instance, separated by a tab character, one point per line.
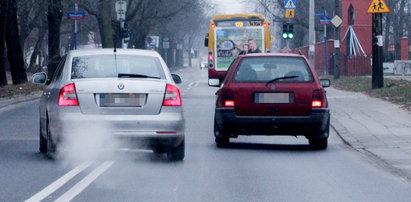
225	98
265	24
317	101
172	96
229	103
68	96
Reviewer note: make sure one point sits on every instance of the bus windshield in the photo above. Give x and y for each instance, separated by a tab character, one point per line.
233	41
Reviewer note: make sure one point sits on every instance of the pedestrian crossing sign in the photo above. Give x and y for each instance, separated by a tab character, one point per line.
378	6
289	4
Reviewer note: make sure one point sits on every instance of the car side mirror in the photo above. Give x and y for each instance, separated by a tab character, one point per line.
176	78
325	83
214	82
39	78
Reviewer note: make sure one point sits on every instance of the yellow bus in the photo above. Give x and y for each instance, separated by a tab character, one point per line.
229	35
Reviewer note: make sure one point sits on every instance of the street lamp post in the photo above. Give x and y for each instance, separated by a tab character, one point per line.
121	8
311	36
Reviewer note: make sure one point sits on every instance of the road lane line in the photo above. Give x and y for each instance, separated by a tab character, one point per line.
80	186
58	183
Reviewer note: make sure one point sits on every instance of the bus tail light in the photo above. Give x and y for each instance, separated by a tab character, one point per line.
210	59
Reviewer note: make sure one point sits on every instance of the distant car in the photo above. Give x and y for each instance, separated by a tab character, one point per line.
130	90
272	94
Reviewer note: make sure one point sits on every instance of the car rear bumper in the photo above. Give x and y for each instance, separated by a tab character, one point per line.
230	124
164	129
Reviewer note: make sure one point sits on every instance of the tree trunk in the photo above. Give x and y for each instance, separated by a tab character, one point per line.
14	51
3	9
54	17
36	52
399	30
104	24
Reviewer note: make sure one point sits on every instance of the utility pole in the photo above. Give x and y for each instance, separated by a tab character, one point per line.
337	43
377	8
377	51
311	52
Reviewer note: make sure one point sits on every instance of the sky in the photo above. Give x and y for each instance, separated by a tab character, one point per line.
230	6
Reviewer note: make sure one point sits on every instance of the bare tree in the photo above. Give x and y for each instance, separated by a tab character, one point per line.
14	50
3	9
54	17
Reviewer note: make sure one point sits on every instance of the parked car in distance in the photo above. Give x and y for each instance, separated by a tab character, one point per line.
130	90
272	94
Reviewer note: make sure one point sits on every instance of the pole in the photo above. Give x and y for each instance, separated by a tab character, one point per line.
325	46
311	53
121	33
377	49
75	27
337	37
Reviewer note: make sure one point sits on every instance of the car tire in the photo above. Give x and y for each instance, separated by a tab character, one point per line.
51	147
176	153
319	143
42	142
222	142
159	150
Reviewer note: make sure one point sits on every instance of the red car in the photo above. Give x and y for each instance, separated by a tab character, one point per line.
272	94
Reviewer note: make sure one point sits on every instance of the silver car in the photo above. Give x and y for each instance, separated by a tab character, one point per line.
131	91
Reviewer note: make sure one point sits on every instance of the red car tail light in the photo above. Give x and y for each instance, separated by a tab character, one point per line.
229	103
172	96
68	96
318	98
225	98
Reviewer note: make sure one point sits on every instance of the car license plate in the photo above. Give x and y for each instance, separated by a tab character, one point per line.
122	99
273	98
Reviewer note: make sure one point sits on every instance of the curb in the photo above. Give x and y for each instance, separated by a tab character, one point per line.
19	99
352	142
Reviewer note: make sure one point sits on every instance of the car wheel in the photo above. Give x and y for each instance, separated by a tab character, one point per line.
319	143
51	147
176	153
321	140
222	142
159	150
43	142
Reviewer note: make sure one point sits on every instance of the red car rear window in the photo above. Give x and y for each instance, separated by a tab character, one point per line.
264	69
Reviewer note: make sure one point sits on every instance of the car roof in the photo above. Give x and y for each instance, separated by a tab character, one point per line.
119	51
272	55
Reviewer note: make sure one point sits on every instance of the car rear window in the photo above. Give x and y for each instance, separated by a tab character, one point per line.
264	69
103	66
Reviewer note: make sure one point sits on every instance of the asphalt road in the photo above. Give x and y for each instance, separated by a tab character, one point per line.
253	169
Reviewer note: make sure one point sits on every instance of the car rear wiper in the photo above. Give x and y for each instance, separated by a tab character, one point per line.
136	76
280	78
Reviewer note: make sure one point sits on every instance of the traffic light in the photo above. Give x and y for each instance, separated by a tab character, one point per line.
288	31
285	31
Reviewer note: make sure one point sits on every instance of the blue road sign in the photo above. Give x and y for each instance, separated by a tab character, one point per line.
325	20
321	13
290	4
76	15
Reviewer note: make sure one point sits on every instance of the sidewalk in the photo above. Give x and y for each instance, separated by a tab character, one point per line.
4	102
374	127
